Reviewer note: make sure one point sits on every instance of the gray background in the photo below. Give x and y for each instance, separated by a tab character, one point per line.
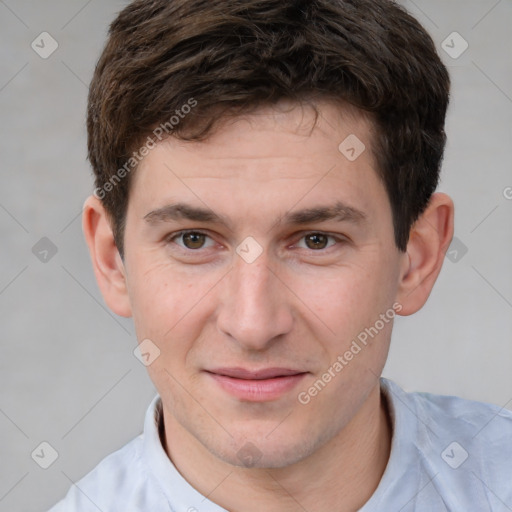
68	374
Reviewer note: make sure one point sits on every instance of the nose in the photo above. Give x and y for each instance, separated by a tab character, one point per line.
256	307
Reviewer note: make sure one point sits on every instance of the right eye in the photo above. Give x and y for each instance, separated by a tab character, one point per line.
192	240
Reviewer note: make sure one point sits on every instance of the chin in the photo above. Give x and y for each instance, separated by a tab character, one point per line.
264	453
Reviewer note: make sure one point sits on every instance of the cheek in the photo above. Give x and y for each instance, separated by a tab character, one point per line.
348	298
167	302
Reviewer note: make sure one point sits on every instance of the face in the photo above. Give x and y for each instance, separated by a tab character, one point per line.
255	304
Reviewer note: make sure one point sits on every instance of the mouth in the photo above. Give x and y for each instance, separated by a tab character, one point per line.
261	385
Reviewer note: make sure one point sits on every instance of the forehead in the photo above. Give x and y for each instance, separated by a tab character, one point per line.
284	130
280	154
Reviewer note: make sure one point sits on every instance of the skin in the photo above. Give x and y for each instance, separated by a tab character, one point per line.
295	306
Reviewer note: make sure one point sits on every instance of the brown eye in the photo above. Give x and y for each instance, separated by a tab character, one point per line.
316	241
191	240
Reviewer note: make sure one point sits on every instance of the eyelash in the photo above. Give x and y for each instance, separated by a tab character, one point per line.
339	240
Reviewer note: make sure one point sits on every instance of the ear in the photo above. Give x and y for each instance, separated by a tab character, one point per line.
107	263
429	240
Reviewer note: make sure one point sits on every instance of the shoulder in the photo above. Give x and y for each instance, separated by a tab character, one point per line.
452	414
476	423
467	442
123	481
118	482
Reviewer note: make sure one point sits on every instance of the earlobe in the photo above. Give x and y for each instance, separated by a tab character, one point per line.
107	263
429	240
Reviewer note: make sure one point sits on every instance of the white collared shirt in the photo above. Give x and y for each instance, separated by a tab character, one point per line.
447	454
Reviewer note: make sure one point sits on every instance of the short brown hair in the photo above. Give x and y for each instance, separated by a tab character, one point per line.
231	56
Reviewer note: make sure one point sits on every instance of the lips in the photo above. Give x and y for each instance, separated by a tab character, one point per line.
266	373
263	385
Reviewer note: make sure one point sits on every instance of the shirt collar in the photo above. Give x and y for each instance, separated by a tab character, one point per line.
179	493
402	470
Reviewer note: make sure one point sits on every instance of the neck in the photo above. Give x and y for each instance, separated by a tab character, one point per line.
342	475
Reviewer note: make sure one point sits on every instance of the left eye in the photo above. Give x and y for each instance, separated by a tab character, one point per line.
317	241
194	240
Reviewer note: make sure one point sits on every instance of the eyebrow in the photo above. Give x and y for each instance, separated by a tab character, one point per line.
339	211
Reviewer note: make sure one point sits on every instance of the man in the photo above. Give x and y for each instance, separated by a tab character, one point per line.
265	206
